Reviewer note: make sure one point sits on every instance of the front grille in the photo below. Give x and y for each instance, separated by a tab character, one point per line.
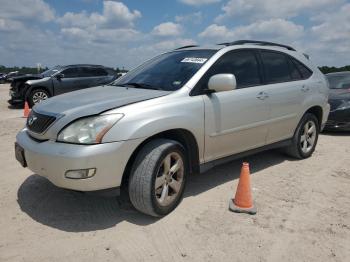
38	123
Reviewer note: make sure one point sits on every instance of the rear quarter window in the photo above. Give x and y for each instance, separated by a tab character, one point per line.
276	67
304	71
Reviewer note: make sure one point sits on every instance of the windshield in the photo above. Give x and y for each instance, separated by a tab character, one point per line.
50	72
339	81
168	72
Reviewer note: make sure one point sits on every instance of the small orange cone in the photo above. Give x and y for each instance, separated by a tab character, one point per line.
26	110
243	201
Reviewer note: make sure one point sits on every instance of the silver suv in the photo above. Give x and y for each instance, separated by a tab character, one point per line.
179	113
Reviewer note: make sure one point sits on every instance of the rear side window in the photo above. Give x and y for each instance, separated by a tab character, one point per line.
304	71
72	72
276	67
294	71
94	71
243	64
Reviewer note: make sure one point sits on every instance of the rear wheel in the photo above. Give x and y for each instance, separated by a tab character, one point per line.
305	137
36	96
158	177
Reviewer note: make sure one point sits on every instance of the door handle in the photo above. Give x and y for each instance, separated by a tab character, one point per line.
305	89
262	96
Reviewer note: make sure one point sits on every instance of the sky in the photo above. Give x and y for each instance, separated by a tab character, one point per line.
126	33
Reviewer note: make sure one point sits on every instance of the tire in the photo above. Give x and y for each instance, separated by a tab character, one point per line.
298	149
36	96
149	167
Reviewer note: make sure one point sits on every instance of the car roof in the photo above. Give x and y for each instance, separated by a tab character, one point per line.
85	65
240	43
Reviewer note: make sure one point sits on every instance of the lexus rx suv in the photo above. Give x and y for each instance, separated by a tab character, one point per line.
56	81
179	113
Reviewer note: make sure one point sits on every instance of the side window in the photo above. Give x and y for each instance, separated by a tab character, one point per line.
72	72
276	67
93	72
243	64
294	71
304	71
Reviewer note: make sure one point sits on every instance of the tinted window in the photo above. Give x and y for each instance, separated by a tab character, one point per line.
339	81
294	71
304	71
168	71
276	67
242	64
72	72
94	71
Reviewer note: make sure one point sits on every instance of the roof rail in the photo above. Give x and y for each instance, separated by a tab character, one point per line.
186	46
242	42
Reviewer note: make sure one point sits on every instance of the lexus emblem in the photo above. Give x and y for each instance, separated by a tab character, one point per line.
31	120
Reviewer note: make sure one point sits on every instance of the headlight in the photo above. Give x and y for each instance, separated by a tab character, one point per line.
344	105
89	130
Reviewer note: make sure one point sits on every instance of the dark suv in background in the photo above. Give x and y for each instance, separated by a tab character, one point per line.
58	80
339	99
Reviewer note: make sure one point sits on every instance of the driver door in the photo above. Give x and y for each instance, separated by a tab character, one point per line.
235	121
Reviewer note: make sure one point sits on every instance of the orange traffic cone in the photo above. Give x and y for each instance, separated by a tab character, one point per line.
243	201
26	110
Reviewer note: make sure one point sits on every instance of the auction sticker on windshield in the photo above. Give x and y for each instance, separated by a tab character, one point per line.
195	60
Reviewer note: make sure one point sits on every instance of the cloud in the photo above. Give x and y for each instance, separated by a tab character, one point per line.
167	29
257	9
199	2
32	10
102	36
9	25
194	18
334	27
114	15
272	29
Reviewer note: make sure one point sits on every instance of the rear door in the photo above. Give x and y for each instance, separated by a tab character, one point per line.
96	76
285	89
235	121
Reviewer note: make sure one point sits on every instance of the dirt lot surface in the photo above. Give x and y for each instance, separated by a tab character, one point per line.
303	212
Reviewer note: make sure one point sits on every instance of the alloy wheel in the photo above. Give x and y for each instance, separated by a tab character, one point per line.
39	96
169	179
308	137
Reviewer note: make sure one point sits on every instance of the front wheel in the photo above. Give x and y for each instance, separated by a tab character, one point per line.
157	179
36	96
305	137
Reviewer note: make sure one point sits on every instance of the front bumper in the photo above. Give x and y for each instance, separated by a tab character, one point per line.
51	159
15	98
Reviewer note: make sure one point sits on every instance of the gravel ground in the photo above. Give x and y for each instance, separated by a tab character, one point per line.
303	212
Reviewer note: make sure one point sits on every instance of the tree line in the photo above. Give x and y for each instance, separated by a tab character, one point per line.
34	70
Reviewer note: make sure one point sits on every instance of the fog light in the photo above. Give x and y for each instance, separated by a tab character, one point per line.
80	173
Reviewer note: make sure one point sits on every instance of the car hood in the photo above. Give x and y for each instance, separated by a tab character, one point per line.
95	100
26	77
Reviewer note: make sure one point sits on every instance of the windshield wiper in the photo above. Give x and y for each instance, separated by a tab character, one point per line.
140	85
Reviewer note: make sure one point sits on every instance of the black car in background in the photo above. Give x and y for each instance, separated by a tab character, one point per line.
339	100
58	80
7	77
2	78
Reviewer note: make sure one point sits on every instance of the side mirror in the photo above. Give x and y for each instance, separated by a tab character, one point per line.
59	76
221	83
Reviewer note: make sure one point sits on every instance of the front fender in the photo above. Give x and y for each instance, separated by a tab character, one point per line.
143	120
